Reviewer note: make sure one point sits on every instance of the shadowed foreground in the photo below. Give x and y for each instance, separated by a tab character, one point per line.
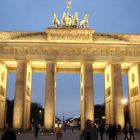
68	135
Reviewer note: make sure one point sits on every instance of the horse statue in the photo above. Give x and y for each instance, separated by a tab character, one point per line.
69	21
63	21
66	20
75	20
84	22
55	21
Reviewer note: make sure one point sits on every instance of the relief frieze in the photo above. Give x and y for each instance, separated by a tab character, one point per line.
134	92
2	91
69	52
69	35
28	91
108	92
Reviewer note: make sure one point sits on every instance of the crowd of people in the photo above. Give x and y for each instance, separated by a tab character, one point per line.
92	131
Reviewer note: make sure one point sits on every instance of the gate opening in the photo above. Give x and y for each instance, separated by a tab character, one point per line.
68	98
37	99
10	98
99	102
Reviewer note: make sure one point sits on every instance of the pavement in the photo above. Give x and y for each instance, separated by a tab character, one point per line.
68	135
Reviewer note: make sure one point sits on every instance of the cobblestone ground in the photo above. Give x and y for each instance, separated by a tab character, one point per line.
68	135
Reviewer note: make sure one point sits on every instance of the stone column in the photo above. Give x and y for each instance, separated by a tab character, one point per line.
49	108
3	89
27	102
21	115
134	95
87	102
114	94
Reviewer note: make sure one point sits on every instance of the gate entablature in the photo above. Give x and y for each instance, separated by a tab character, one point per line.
65	66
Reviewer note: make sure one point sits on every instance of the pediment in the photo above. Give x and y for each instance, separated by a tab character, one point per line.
69	36
22	36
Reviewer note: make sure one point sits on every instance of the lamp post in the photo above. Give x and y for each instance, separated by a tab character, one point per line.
126	112
40	116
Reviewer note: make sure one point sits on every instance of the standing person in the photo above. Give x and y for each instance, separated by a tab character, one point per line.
58	132
94	132
119	129
90	132
9	135
64	127
36	129
72	128
114	127
131	131
101	130
126	131
110	132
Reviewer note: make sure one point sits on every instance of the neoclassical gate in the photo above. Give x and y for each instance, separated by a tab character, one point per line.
70	50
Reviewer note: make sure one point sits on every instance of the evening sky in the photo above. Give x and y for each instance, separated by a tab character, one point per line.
114	16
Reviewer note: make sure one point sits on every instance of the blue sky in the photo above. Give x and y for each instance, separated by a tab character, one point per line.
121	16
115	16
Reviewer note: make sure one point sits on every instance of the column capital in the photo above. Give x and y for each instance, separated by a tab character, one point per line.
86	62
53	61
134	64
21	61
1	62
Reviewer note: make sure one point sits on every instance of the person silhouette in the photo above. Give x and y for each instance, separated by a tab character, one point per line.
9	135
90	132
36	130
58	131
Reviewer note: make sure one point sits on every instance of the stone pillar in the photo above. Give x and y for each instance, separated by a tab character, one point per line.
3	89
113	94
50	96
21	116
134	95
27	102
87	102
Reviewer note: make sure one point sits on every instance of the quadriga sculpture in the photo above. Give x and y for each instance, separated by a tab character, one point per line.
69	21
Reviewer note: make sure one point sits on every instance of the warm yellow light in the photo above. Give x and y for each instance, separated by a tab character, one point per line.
81	84
99	65
103	117
56	125
60	125
124	101
68	64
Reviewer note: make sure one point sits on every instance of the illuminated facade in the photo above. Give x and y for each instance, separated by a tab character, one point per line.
73	50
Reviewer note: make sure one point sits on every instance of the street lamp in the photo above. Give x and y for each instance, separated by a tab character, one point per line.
124	101
103	118
40	116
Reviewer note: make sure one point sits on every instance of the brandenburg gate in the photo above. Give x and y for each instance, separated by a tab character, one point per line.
70	49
